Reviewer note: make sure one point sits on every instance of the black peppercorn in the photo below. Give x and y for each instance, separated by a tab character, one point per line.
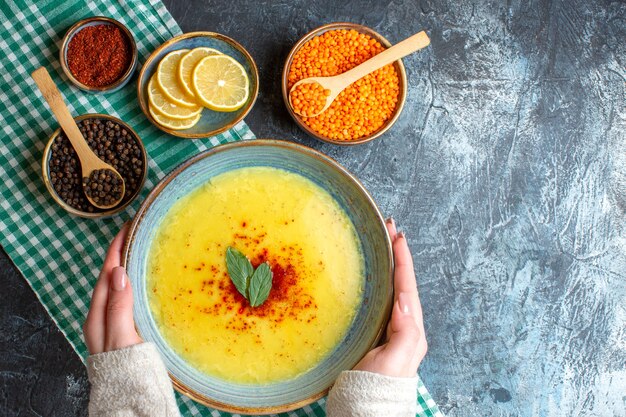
109	142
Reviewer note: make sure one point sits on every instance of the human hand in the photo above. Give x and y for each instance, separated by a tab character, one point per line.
405	344
109	324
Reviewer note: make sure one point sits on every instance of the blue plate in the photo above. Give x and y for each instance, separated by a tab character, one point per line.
368	324
212	122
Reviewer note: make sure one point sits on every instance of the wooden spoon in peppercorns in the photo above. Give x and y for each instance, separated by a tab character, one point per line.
103	185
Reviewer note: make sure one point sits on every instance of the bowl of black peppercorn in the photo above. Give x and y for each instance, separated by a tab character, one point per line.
115	142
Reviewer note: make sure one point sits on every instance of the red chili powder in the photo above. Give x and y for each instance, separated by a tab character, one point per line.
99	55
286	299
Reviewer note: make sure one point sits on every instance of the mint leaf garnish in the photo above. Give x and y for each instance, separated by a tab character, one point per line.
260	285
254	285
239	269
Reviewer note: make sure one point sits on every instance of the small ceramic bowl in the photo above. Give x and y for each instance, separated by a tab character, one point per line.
211	122
93	21
370	320
399	66
45	171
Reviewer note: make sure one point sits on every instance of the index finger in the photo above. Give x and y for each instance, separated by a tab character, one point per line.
95	321
114	254
101	289
404	275
390	223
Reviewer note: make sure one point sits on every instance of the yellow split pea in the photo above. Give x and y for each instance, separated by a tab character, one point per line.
271	216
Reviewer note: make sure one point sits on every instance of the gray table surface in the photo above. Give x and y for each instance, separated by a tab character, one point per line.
507	170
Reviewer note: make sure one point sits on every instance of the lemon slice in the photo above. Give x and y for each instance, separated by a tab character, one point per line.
220	83
174	124
168	81
163	106
187	64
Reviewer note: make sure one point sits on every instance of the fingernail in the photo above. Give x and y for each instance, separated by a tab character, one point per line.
404	302
391	221
401	235
120	279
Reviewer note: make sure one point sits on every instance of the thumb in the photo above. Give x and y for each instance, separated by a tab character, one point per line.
405	334
120	326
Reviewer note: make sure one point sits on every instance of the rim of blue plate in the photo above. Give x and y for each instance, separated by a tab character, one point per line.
142	83
388	284
90	21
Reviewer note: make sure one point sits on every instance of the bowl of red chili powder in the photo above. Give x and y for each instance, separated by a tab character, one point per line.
98	55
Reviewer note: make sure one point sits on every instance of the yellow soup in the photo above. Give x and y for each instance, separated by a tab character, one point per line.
271	216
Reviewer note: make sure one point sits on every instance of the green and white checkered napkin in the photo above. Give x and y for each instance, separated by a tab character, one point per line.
58	254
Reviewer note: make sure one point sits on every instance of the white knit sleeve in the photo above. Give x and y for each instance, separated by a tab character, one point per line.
130	382
367	394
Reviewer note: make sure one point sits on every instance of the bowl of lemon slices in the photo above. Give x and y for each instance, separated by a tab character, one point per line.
198	85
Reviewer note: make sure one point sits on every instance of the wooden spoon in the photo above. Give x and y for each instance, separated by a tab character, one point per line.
89	161
338	83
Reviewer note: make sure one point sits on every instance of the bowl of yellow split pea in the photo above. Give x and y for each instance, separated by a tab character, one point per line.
261	269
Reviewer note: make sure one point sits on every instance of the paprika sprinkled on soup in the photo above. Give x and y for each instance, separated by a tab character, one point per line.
274	217
99	55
